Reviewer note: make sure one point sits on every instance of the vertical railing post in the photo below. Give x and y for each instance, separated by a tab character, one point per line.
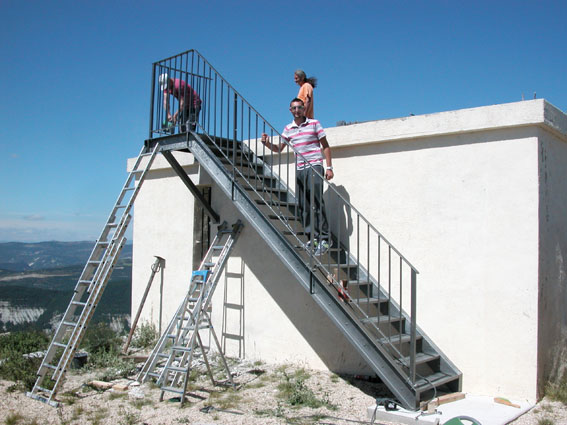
311	181
152	98
235	130
413	324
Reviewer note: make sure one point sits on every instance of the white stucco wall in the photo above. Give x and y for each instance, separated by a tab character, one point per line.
458	193
552	313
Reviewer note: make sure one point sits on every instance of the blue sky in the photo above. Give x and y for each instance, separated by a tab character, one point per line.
75	79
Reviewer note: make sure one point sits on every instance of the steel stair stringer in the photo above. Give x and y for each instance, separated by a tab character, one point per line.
374	354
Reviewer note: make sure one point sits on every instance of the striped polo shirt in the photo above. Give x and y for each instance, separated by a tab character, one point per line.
304	139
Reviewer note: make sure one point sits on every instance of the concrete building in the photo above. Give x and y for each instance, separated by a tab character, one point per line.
475	198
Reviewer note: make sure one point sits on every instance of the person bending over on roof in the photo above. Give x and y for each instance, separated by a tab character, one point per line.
306	86
307	138
187	114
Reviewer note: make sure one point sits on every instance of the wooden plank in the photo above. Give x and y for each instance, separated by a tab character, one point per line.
444	399
501	400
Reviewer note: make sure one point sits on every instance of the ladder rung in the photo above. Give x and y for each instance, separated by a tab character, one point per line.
72	324
172	390
218	247
233	336
234	306
85	282
78	303
43	390
129	188
50	366
58	344
95	262
176	368
209	264
162	355
201	326
180	348
155	375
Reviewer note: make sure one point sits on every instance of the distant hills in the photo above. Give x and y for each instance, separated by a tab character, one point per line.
20	256
37	281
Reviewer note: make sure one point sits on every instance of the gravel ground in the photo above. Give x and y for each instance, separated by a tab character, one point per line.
256	401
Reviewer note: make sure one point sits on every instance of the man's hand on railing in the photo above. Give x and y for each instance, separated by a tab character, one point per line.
329	173
266	142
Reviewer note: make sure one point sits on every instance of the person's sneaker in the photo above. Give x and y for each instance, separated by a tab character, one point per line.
307	245
323	246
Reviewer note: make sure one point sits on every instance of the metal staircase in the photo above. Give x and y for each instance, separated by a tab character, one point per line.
90	286
171	361
364	284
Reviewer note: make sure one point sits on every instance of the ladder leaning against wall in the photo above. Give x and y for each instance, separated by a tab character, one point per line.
90	286
171	360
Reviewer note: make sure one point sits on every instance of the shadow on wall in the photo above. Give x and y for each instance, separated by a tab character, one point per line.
339	214
305	316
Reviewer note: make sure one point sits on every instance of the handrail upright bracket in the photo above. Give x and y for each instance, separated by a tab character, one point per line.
413	324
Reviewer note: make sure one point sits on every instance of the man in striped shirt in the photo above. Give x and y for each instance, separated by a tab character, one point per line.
307	138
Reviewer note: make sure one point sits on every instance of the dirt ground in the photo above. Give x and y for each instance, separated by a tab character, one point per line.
256	401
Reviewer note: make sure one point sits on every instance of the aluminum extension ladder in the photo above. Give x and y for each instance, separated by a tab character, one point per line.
90	286
171	360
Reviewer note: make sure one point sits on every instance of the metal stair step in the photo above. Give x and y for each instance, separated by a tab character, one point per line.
383	318
286	218
434	380
371	300
421	358
397	339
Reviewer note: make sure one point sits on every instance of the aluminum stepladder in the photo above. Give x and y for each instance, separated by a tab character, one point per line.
90	286
171	360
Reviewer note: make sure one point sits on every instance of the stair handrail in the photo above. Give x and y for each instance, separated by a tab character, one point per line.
193	68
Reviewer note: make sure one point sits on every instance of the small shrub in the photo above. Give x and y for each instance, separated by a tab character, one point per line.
13	419
22	343
297	393
113	366
557	391
116	395
139	403
145	336
15	366
129	418
100	338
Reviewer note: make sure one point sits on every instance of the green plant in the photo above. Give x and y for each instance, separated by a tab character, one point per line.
77	413
130	418
100	338
13	419
98	415
557	391
145	336
296	392
116	395
15	366
226	399
22	342
139	403
545	421
112	364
